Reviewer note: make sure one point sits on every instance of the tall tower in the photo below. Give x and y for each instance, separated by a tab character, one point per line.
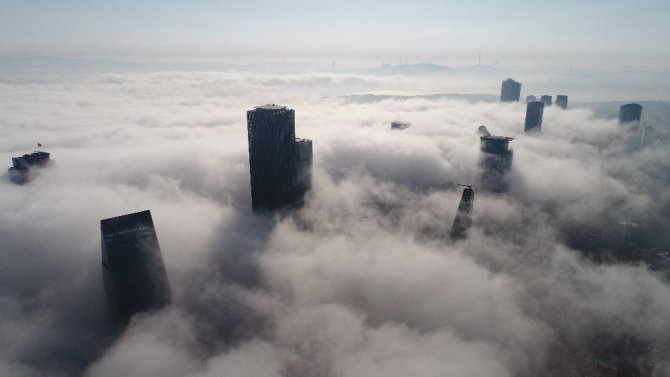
562	101
510	91
534	113
495	162
280	165
133	270
463	218
546	99
647	136
630	114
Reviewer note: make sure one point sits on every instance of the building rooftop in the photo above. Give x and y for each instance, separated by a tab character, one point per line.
496	138
270	106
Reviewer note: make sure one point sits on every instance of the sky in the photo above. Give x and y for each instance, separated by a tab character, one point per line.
609	35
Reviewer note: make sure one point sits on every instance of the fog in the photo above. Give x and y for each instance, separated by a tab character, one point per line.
361	281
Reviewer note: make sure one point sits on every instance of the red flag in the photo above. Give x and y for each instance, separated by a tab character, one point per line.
39	145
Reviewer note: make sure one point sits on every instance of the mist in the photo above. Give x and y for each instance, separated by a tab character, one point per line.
363	279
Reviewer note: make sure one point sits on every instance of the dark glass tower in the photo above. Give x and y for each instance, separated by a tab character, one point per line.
534	113
463	218
280	165
562	101
495	162
133	271
546	99
510	91
630	113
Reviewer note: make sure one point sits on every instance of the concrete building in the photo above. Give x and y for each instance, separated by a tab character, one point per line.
562	101
534	113
546	99
21	170
133	271
510	91
280	165
495	162
463	218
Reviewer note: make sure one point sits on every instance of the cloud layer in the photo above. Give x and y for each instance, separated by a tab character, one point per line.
363	280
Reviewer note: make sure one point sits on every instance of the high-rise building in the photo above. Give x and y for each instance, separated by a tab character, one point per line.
546	99
530	98
647	136
495	162
21	171
280	165
397	125
534	113
562	101
630	114
510	91
133	270
463	218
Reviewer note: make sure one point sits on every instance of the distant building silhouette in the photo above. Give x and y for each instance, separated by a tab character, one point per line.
630	114
133	270
546	99
495	162
510	91
647	136
280	165
530	98
534	113
562	101
463	218
397	125
20	172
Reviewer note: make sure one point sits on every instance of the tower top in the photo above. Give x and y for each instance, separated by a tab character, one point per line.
270	106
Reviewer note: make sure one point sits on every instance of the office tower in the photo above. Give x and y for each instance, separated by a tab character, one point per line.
495	162
280	165
20	172
647	136
534	112
562	101
530	98
630	114
546	100
133	271
463	217
397	125
510	91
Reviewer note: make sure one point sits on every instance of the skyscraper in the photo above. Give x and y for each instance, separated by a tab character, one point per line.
510	91
647	136
530	98
534	113
546	99
21	171
630	114
495	162
463	218
562	101
280	165
133	271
